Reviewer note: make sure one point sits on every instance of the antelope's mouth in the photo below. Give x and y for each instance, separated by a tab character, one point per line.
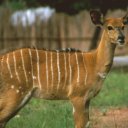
120	42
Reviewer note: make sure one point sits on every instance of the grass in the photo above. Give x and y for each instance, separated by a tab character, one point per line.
44	114
58	114
114	92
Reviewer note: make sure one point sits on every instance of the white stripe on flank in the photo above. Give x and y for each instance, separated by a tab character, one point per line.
84	68
38	68
52	71
65	63
73	110
58	67
46	54
2	61
23	65
70	69
30	54
8	65
78	70
17	75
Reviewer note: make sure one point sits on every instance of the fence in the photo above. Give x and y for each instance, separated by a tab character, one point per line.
59	31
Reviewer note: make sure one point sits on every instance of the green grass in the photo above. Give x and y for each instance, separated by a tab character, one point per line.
44	114
114	92
58	114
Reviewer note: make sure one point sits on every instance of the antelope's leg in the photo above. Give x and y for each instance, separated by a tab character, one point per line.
10	103
81	112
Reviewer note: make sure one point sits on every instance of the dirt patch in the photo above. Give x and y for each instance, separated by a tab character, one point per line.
112	118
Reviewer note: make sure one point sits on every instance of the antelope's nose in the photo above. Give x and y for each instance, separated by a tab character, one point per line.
121	39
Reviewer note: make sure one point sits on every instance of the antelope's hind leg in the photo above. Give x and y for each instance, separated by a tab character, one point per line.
11	101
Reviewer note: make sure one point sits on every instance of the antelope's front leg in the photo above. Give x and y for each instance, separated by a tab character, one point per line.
81	112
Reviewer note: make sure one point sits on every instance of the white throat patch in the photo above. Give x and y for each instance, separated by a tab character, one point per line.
102	75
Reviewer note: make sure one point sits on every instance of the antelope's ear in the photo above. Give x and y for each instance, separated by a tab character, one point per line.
125	19
96	17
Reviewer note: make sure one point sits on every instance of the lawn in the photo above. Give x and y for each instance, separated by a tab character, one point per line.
58	114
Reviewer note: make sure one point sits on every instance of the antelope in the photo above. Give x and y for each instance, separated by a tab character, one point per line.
66	74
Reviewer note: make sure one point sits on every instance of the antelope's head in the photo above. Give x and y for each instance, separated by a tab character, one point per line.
114	27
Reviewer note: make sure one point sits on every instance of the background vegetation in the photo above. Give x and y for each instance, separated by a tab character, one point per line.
67	6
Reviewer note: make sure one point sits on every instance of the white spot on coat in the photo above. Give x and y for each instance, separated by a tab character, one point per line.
17	91
34	77
12	87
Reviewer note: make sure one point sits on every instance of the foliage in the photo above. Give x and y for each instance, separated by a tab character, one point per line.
13	4
69	6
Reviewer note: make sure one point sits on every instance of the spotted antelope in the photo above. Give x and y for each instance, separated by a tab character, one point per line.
67	74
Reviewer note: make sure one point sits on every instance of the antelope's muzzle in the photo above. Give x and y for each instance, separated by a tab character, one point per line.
121	40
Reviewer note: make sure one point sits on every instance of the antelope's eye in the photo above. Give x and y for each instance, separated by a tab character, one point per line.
110	28
122	28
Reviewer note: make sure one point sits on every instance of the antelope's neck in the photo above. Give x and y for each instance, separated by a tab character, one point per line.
105	54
